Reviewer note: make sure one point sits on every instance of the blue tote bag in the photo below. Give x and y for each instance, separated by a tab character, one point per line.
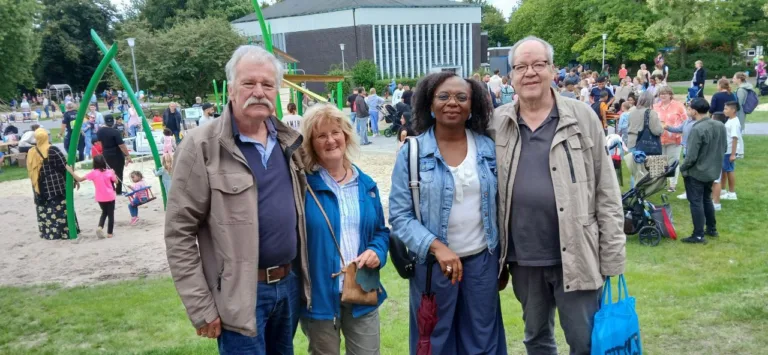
617	329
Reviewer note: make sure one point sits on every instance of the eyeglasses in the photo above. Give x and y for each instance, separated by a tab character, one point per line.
445	97
538	67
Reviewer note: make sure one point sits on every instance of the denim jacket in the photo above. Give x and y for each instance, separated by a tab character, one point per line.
436	195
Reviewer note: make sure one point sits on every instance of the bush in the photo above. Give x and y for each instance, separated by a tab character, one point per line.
364	74
346	85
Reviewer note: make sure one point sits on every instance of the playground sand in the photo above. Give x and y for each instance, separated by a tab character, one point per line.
135	251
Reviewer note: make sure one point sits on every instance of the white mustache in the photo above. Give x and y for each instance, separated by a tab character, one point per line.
254	101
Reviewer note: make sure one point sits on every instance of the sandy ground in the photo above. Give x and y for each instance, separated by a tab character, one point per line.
135	251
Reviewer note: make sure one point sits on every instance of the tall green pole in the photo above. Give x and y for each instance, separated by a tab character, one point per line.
216	95
339	95
74	138
266	34
224	93
300	103
137	106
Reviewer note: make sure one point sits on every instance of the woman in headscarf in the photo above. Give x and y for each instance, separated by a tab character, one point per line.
46	165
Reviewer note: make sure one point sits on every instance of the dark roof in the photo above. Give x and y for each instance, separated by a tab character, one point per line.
289	8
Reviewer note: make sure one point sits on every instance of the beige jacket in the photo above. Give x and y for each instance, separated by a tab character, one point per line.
637	123
586	190
211	225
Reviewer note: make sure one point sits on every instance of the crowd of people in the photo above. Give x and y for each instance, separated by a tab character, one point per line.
271	228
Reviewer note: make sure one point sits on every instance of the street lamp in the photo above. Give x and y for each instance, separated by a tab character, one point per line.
605	36
132	43
343	66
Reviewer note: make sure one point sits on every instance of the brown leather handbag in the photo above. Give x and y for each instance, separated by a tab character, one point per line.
351	292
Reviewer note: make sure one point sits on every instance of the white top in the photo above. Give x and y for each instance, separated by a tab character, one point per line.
396	96
585	95
495	83
465	223
293	121
733	130
204	120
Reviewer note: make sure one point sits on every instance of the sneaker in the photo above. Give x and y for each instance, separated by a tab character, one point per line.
713	234
718	206
100	233
723	193
682	196
695	240
730	196
134	220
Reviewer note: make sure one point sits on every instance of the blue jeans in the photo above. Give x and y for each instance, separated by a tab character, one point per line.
176	135
277	317
47	113
352	117
362	129
132	130
375	122
133	207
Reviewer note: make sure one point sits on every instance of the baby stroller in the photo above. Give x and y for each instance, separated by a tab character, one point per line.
390	116
761	85
693	92
638	211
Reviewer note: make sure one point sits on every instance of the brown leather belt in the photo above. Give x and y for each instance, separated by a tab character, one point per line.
274	274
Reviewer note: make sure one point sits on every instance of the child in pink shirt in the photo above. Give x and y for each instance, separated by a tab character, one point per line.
103	182
138	196
169	142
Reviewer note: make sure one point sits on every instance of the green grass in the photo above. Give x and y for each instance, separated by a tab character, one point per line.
12	173
691	299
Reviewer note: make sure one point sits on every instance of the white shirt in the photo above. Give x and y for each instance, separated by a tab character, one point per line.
733	130
204	120
27	139
495	83
584	94
396	96
465	223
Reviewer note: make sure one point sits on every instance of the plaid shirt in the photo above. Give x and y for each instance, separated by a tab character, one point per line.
54	173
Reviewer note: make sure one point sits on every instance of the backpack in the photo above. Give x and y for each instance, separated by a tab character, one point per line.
647	142
750	102
507	94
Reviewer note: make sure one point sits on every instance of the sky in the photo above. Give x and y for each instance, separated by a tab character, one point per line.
504	5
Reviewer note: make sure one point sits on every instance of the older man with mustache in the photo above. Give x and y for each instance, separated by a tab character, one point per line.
234	230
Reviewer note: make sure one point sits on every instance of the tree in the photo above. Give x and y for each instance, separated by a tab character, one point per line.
492	21
558	22
364	74
69	56
162	14
185	59
735	21
680	22
19	44
626	34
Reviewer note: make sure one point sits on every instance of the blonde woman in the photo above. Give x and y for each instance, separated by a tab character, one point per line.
350	199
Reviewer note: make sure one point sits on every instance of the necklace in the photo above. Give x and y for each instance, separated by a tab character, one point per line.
342	179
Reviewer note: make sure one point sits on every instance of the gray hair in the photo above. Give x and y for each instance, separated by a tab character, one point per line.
550	49
260	55
645	100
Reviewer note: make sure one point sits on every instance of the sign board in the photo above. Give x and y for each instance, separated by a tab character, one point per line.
193	113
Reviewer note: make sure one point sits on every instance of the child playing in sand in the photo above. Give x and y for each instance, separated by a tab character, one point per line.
138	196
103	180
165	172
169	142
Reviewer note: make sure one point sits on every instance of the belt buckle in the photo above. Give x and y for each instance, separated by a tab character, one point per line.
269	276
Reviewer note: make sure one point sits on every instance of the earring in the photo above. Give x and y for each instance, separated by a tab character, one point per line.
470	116
433	114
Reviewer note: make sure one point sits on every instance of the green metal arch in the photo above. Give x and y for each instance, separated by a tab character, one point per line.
136	105
75	138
